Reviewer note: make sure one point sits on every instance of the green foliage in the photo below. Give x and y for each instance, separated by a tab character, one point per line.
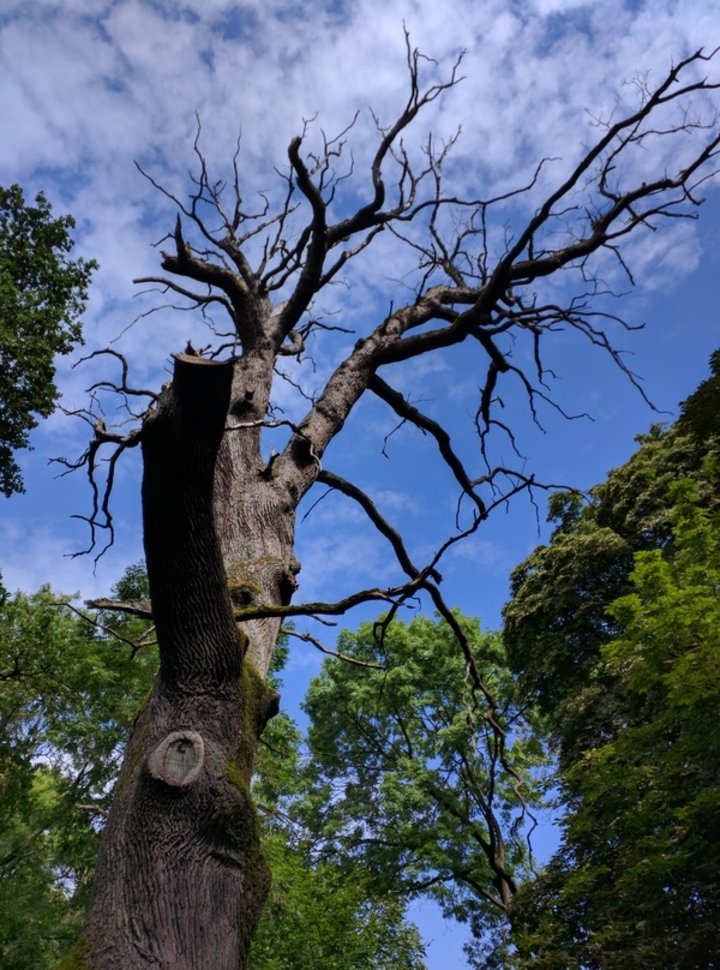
42	297
700	412
318	914
406	779
68	693
556	622
278	779
635	882
317	918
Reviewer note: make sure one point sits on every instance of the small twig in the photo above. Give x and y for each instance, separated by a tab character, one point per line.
308	638
93	621
140	609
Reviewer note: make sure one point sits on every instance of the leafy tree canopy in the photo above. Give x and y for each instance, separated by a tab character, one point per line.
635	881
69	689
318	917
407	783
43	293
318	914
556	622
68	693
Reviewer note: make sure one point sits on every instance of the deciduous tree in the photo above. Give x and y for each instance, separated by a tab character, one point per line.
319	917
636	726
557	621
320	913
70	684
43	293
68	693
406	778
180	880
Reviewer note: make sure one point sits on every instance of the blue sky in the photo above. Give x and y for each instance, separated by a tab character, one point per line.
88	87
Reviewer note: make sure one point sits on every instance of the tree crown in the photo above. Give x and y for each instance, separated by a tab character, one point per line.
43	293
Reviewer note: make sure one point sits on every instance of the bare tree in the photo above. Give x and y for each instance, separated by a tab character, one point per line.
180	879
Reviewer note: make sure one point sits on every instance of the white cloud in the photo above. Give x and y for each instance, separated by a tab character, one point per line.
343	561
478	552
89	86
123	81
36	552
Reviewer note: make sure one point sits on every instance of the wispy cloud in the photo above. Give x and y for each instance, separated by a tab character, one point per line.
37	551
91	86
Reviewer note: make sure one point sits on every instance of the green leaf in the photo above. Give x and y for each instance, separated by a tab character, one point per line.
43	293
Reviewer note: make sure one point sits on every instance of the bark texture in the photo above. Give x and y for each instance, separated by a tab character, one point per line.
254	509
180	879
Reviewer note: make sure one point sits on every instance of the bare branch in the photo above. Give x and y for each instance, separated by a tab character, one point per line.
381	524
406	411
308	638
122	388
319	238
135	645
141	609
100	518
338	608
197	300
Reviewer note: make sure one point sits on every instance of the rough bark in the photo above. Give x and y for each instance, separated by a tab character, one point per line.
180	879
254	510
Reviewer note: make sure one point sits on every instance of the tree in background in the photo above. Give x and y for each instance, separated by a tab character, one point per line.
613	627
180	879
320	914
557	621
43	293
68	694
404	790
406	778
70	685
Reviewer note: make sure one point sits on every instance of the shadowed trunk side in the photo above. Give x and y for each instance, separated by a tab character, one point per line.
180	880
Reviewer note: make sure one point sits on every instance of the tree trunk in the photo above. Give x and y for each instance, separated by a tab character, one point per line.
254	509
180	878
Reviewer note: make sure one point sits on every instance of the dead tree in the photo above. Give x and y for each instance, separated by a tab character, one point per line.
180	879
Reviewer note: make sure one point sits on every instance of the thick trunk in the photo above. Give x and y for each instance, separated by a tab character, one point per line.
254	510
180	879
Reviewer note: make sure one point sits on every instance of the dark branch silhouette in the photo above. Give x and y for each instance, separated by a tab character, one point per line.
266	266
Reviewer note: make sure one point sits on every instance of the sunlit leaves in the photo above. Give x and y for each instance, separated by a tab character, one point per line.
68	693
43	293
406	777
635	882
317	917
